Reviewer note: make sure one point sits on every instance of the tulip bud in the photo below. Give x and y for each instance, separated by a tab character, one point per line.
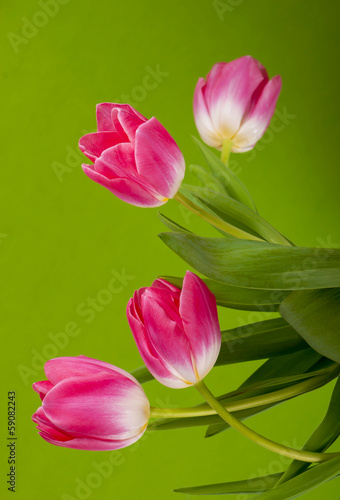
135	158
236	102
90	405
176	331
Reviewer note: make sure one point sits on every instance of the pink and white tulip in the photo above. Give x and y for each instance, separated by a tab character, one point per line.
236	102
90	405
176	331
135	158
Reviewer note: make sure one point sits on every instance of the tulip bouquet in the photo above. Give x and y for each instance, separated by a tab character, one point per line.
249	265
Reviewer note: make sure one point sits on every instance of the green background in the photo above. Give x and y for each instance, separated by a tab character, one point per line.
61	238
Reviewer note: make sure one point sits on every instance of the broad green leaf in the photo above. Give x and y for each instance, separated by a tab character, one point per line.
304	482
254	264
322	438
281	366
237	214
234	297
259	340
235	188
315	314
254	485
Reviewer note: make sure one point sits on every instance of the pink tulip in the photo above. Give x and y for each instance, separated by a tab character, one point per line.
176	331
90	405
135	158
236	102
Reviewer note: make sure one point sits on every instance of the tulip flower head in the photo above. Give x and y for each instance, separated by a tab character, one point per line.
176	331
90	405
236	103
135	158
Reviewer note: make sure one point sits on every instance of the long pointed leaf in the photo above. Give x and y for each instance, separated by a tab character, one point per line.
253	264
235	188
255	485
322	438
305	482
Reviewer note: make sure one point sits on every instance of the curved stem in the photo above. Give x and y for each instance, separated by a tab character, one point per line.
213	220
243	404
304	456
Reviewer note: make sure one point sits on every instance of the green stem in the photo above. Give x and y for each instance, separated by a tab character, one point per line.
304	456
226	149
243	404
213	220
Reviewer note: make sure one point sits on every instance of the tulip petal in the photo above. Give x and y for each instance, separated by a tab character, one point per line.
125	189
203	121
93	145
163	284
158	158
97	406
159	369
229	90
200	321
167	337
86	443
42	387
129	121
257	121
59	369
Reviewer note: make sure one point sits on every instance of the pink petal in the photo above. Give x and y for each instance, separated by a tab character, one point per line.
86	443
92	145
126	189
200	321
42	388
104	118
58	369
158	158
257	121
203	121
129	122
229	90
118	161
168	339
161	283
98	406
159	369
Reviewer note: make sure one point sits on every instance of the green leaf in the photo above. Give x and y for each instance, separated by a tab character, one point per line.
234	297
237	214
142	374
260	340
170	224
322	438
315	314
208	180
254	264
254	485
232	184
304	482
